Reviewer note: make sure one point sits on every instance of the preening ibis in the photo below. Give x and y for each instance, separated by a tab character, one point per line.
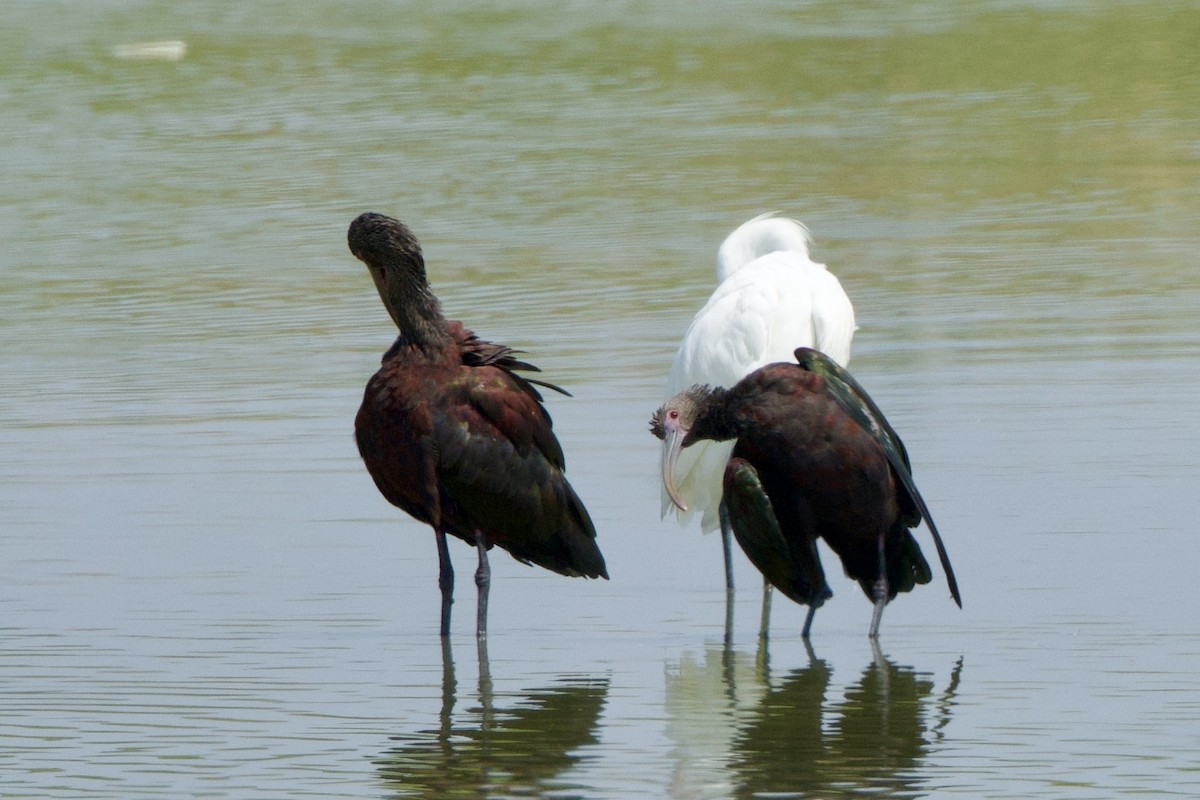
770	299
813	456
454	436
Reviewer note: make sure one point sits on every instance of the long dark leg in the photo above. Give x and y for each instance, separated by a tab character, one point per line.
483	581
877	615
812	610
727	545
764	621
445	579
881	593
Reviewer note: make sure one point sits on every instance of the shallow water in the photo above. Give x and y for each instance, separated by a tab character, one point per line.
202	593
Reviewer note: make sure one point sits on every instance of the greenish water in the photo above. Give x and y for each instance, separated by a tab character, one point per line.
203	595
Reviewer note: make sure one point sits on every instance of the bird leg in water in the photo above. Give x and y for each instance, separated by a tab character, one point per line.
880	602
764	622
812	611
727	544
485	682
445	579
483	581
728	618
762	658
880	590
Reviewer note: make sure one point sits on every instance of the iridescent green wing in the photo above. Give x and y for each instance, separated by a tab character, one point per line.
792	567
855	401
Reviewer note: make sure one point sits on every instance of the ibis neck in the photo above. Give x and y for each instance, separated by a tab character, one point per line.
717	420
415	310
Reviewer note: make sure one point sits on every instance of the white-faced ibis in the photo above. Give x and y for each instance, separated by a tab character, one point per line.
454	436
813	456
771	298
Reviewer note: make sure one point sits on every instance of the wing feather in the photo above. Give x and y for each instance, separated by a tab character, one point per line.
855	401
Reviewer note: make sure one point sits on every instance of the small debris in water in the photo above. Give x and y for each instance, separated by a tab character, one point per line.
173	50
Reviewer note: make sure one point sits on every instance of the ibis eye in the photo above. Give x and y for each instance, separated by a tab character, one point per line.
673	414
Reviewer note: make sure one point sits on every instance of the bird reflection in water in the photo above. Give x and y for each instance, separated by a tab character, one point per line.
873	741
523	749
705	699
740	731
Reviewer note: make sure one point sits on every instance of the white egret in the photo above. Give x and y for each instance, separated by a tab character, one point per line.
771	298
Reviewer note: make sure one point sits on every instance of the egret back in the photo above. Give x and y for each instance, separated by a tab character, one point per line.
757	237
759	315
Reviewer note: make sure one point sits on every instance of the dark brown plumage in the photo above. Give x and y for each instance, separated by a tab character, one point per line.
814	457
454	436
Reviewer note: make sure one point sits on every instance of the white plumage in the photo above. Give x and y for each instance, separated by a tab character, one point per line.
770	299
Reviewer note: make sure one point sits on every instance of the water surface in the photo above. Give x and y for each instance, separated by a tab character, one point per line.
202	593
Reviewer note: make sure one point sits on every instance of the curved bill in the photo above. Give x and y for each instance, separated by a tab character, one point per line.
672	444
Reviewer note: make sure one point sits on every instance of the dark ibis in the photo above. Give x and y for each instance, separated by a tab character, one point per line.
813	456
453	435
771	298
